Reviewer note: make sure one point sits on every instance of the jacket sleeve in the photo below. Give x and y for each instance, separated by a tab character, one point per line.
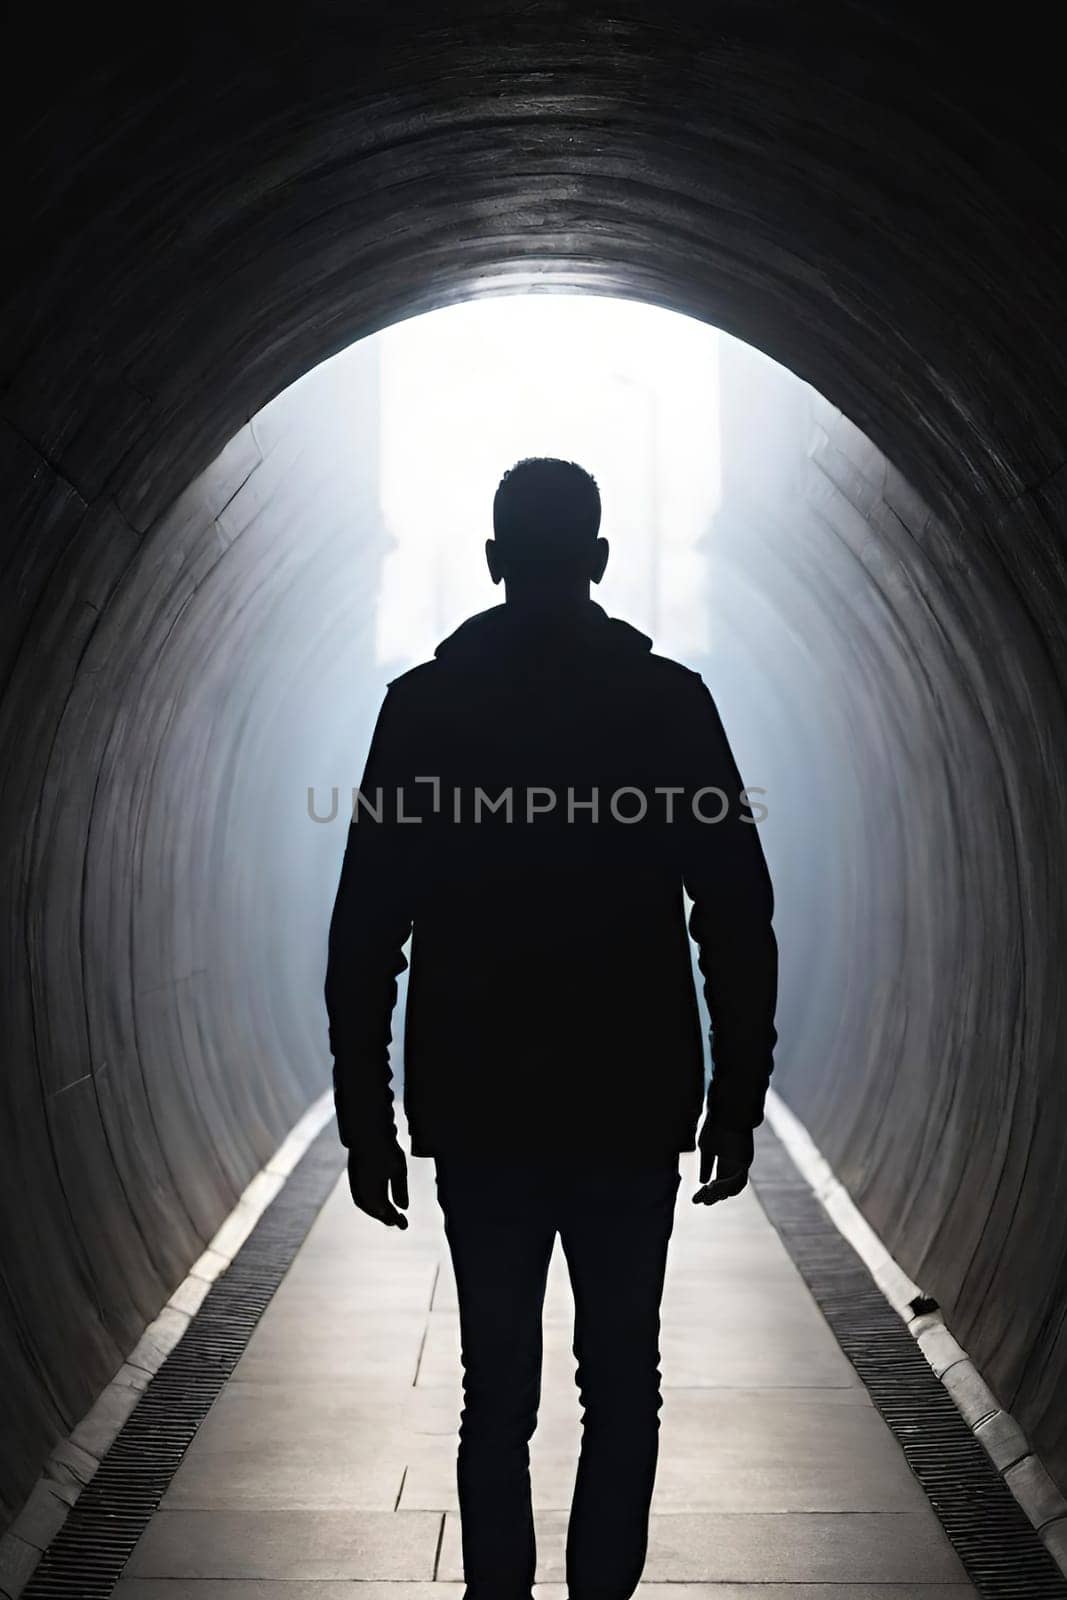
725	875
371	922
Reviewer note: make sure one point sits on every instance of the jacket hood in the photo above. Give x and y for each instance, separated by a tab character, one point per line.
502	630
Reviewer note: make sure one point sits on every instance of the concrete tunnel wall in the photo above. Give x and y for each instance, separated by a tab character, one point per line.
202	678
872	199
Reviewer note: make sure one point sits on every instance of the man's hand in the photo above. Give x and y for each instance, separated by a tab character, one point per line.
372	1171
730	1153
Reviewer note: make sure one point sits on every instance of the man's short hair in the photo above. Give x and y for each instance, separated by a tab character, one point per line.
546	508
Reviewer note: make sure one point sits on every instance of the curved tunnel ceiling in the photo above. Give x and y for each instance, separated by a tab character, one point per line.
871	197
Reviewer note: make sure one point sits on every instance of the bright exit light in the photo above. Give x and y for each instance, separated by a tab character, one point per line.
628	391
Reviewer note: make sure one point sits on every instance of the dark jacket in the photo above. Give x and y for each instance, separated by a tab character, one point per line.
551	1003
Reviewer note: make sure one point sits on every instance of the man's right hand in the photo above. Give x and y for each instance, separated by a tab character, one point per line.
730	1154
372	1172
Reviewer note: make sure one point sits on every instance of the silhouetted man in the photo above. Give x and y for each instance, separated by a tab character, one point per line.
536	800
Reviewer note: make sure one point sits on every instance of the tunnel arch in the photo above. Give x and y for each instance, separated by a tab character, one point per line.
868	197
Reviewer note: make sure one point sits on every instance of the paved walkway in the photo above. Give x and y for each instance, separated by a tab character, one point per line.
325	1470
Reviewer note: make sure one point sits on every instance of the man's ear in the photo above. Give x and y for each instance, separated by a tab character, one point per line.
601	551
492	560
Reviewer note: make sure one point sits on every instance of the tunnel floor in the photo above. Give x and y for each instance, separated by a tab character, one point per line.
326	1467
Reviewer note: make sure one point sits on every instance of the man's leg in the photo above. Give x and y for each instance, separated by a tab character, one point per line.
500	1233
615	1231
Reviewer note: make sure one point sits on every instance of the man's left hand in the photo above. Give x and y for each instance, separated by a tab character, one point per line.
375	1170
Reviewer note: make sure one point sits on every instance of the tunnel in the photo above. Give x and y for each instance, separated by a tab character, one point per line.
869	198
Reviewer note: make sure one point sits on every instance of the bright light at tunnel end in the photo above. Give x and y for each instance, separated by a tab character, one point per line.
627	390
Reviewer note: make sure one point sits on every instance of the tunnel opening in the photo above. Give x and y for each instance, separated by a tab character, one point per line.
758	535
920	611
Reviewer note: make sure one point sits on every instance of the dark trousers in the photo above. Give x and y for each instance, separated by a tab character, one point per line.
501	1222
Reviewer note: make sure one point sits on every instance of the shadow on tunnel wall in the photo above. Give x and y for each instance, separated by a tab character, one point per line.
871	196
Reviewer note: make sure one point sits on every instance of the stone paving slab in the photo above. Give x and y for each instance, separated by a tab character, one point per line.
719	1451
777	1345
850	1548
351	1445
292	1345
288	1544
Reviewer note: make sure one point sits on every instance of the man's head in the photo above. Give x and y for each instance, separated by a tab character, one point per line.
546	518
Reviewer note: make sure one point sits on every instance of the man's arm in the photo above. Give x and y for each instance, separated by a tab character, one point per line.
726	877
371	922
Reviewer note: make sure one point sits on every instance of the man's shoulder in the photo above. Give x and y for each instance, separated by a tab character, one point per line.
426	697
672	672
406	701
411	682
678	686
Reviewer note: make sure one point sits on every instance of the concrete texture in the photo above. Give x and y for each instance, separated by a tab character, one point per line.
871	195
345	1470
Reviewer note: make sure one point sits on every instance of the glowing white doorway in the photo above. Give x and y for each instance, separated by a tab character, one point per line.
627	390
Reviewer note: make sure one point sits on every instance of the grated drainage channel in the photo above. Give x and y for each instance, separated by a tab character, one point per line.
1002	1554
87	1556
